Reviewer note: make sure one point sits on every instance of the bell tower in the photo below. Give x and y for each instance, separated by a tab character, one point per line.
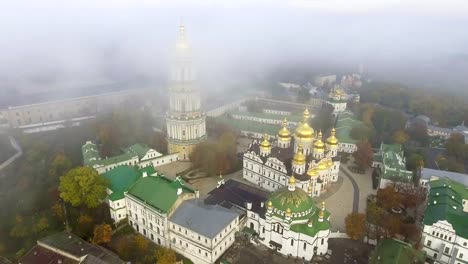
185	119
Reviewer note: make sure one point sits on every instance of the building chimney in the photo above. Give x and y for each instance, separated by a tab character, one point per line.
249	206
179	191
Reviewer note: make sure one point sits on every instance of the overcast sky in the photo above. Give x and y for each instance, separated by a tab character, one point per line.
73	43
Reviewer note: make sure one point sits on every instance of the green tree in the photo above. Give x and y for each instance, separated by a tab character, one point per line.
60	165
355	225
364	154
83	186
456	146
19	230
40	225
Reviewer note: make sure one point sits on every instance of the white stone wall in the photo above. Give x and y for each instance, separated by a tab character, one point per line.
118	209
347	147
272	175
131	162
189	129
292	243
160	160
201	249
147	221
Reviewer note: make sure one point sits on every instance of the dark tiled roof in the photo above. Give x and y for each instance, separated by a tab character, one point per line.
77	247
234	193
42	255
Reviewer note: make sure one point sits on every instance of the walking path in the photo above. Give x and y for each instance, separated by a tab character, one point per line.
19	152
356	190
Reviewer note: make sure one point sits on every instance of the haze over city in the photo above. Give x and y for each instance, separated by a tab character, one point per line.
88	42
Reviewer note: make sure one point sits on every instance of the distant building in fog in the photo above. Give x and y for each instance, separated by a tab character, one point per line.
59	111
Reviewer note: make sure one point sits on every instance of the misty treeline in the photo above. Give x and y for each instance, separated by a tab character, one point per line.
444	108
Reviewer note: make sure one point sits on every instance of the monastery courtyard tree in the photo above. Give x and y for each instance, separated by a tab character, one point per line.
83	186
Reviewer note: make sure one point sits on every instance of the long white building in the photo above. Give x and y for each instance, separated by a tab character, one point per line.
313	163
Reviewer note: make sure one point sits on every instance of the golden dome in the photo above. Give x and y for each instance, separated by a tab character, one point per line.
270	204
312	172
292	180
322	165
299	158
323	205
332	140
303	129
329	163
265	143
284	132
318	144
288	212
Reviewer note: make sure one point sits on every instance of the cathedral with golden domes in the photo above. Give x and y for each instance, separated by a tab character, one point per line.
304	156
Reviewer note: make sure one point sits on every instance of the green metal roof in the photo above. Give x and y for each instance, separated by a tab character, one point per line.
394	163
113	160
291	118
298	200
393	251
121	178
90	153
346	121
138	149
158	191
448	196
250	126
316	225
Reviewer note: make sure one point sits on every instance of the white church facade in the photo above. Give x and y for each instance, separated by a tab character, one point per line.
313	163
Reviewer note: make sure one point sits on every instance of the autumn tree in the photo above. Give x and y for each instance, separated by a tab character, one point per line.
102	234
355	225
84	225
400	137
60	165
165	256
364	154
388	198
83	186
392	225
